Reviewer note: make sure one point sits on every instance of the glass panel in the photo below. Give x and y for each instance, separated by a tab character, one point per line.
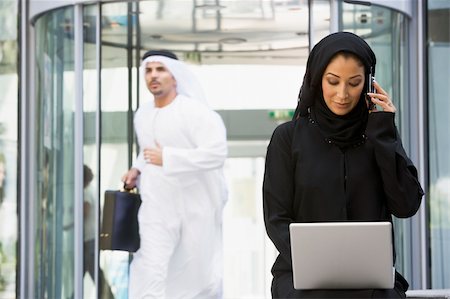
439	140
386	32
321	19
54	214
90	154
8	146
115	93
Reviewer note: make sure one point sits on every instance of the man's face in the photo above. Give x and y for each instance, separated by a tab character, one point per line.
159	80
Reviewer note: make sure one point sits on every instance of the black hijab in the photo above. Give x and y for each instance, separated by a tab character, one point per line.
345	130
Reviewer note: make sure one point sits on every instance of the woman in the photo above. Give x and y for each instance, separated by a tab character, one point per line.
337	160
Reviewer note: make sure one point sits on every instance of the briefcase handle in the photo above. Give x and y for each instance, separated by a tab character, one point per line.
130	190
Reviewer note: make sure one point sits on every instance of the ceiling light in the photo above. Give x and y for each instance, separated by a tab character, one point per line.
232	40
156	36
210	6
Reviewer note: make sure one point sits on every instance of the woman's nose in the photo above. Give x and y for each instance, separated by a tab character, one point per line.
342	92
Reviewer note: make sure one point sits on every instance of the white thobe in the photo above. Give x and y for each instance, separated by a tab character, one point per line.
181	213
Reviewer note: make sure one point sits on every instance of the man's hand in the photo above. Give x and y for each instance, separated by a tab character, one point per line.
153	155
130	178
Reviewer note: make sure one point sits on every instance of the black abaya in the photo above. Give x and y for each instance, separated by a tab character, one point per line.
308	178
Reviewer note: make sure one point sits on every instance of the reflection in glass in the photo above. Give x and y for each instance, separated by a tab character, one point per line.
439	140
54	254
91	198
8	147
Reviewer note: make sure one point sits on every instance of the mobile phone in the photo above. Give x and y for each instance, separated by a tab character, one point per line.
370	88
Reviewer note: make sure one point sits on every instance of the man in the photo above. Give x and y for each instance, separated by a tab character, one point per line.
89	235
180	174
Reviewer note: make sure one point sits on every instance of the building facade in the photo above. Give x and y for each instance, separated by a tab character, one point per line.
70	82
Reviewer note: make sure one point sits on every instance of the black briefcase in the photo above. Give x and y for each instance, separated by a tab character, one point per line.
120	227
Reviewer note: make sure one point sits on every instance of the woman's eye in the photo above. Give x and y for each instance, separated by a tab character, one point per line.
333	82
354	84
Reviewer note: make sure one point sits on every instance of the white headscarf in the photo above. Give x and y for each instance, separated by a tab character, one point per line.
187	83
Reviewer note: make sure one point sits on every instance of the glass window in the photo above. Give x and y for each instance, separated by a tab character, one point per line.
90	154
8	146
116	87
320	18
386	31
54	235
439	140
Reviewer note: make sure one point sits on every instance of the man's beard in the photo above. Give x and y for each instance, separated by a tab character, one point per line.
157	93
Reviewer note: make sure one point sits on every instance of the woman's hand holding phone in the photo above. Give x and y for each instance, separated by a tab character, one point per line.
370	90
380	97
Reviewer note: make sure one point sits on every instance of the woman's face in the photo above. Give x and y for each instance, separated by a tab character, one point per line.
342	84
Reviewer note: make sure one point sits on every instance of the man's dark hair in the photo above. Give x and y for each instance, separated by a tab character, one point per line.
166	53
87	176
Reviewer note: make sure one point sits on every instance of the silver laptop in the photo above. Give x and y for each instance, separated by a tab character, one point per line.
342	255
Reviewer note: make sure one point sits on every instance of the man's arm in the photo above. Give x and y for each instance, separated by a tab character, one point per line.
209	136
